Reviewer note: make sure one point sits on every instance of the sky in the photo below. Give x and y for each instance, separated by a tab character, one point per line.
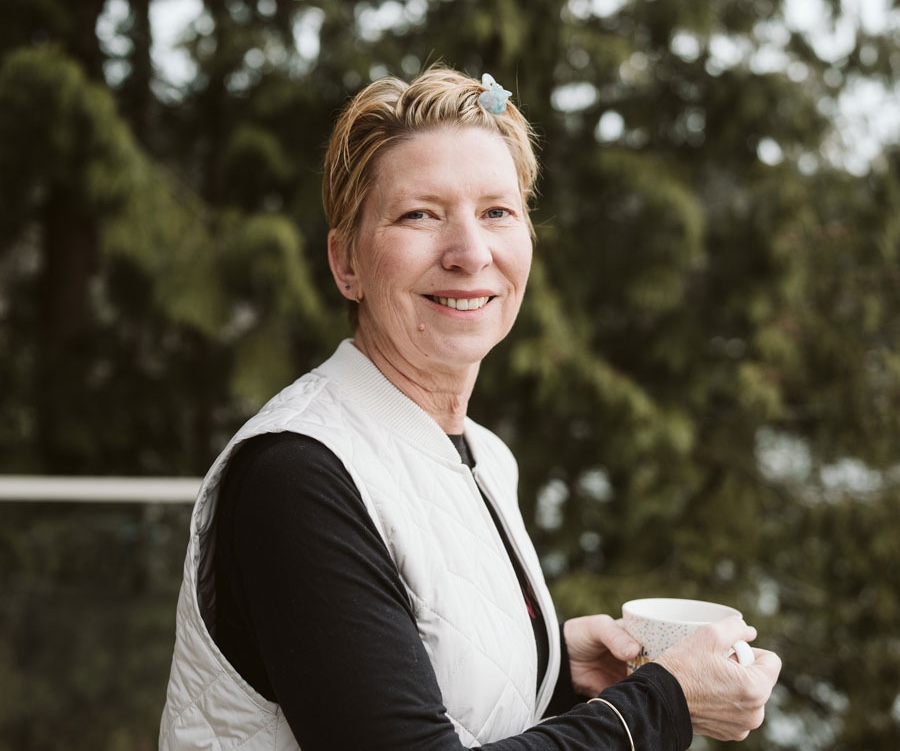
868	114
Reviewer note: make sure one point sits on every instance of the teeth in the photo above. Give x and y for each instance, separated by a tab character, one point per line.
471	303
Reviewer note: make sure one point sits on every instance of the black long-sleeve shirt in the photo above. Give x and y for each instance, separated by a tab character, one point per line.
311	611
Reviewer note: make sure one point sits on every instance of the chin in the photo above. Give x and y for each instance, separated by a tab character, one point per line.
464	353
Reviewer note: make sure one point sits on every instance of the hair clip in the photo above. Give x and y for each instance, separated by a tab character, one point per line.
494	99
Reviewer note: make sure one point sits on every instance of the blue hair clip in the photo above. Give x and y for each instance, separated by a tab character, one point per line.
494	99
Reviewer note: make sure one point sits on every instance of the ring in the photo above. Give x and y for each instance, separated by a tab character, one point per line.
743	653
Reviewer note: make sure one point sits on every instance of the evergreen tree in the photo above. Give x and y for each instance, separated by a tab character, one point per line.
702	390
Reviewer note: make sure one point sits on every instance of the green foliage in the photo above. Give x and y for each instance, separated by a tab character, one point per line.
837	607
708	341
87	619
184	264
40	91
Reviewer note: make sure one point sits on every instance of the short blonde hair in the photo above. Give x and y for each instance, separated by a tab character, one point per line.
389	111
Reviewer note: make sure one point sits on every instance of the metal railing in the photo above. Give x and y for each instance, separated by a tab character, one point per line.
99	489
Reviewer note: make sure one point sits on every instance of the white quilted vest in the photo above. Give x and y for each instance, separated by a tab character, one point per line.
432	517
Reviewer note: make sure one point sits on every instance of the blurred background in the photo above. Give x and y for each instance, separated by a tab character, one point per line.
703	389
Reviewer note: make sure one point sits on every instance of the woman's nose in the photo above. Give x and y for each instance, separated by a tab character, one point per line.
467	246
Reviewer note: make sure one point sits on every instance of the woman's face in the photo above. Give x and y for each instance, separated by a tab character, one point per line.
443	251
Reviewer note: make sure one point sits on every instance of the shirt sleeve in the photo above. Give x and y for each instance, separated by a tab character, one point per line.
311	610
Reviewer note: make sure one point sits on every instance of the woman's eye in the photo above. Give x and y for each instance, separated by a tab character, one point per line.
417	214
497	213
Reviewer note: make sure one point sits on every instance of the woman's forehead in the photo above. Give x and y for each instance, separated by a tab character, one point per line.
432	163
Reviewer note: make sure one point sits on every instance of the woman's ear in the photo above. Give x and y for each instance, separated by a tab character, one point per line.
339	259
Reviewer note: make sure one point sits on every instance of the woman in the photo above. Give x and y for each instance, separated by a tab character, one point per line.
358	575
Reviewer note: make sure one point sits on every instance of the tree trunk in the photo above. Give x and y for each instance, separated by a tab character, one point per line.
65	327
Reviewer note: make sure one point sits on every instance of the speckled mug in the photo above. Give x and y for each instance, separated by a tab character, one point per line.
659	622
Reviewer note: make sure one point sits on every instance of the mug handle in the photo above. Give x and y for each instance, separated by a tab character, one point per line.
743	652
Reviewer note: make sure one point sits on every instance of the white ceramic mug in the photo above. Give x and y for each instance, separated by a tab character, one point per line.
659	622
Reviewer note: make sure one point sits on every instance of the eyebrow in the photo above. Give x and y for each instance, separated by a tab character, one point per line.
430	197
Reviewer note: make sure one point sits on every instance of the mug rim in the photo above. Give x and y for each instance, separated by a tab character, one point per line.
708	610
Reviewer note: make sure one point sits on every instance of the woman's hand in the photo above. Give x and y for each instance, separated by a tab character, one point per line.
726	699
598	649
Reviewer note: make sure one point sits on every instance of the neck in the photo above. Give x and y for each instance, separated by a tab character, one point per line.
443	394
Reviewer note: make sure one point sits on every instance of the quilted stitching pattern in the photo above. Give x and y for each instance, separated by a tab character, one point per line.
432	517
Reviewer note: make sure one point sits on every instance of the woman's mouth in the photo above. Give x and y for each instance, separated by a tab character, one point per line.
461	303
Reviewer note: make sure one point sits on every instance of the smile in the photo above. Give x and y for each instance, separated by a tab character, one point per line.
462	303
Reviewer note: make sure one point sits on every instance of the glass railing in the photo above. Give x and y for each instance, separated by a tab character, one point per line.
89	577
